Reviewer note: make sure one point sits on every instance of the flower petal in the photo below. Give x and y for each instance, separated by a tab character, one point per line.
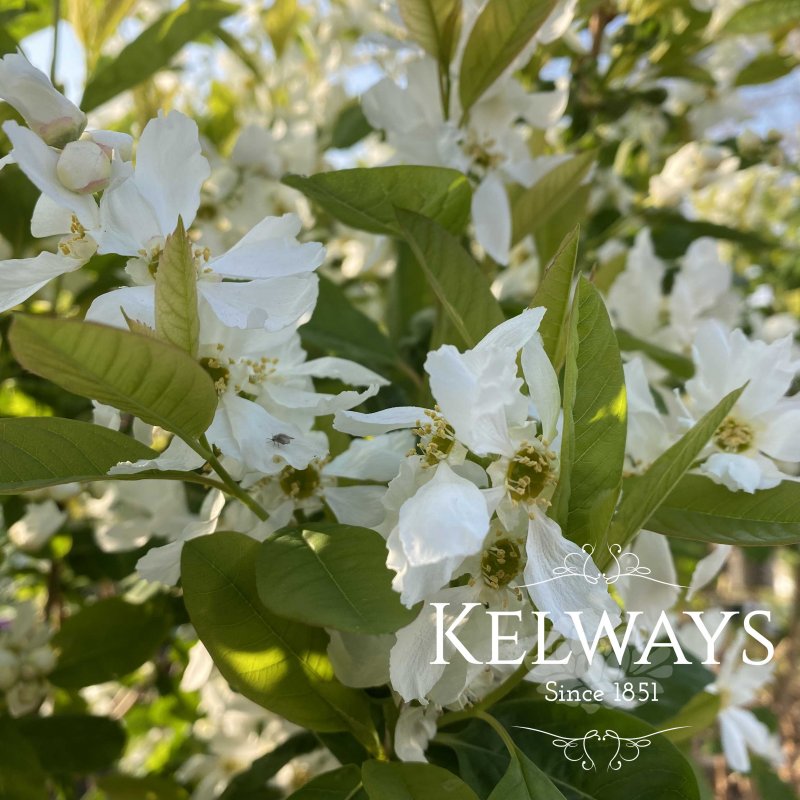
22	277
357	505
584	590
243	430
271	304
270	250
491	213
738	472
375	459
357	423
38	162
446	518
708	568
170	169
542	384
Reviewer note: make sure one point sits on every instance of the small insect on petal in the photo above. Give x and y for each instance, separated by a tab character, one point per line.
281	438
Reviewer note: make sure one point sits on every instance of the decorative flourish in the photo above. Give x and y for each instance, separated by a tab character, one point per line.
581	565
626	748
575	749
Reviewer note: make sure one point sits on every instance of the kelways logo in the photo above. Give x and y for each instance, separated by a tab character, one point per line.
580	566
662	636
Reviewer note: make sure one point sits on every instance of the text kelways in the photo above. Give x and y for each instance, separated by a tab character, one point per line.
661	636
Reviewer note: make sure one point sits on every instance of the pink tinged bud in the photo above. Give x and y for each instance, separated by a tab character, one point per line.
84	167
46	111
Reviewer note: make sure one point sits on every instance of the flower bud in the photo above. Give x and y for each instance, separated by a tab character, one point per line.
9	669
84	167
47	112
41	660
25	696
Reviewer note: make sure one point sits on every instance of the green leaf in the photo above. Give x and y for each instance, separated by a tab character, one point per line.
765	69
21	774
768	783
394	781
454	277
659	771
699	714
340	784
702	510
595	422
44	451
74	743
680	366
763	16
534	206
153	49
332	576
152	380
548	238
434	25
524	781
251	784
277	663
366	198
281	20
672	233
338	328
553	293
498	36
177	320
106	641
643	494
126	787
350	127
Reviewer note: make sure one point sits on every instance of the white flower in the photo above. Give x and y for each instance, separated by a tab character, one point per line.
708	568
163	564
549	550
129	513
138	213
764	425
46	111
701	289
416	726
635	297
434	522
657	594
40	522
66	206
694	166
649	433
271	284
490	147
445	521
738	685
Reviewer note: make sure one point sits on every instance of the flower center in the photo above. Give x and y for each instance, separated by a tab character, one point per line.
531	471
733	436
300	483
219	373
501	563
482	152
436	438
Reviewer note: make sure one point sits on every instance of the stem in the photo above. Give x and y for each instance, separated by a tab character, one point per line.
500	731
203	448
170	475
493	697
355	791
56	21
